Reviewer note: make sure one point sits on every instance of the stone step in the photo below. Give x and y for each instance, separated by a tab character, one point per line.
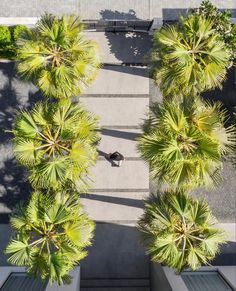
122	47
118	112
131	175
121	282
116	80
114	206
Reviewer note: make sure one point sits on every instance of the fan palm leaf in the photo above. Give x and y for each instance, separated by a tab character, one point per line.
184	146
56	141
57	57
52	233
189	57
180	231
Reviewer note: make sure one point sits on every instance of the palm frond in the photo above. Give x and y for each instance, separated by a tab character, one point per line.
180	231
57	57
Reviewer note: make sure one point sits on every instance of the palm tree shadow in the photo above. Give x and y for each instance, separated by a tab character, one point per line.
227	96
129	46
14	95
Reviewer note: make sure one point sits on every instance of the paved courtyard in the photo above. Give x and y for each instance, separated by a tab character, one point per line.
120	95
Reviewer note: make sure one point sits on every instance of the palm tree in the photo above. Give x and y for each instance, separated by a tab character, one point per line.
57	56
56	141
180	231
51	235
184	144
189	57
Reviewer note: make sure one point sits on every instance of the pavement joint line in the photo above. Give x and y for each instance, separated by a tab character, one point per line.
115	190
114	96
125	64
116	279
101	158
116	221
121	126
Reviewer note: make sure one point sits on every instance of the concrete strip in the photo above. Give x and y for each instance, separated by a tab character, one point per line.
118	206
18	20
122	140
124	47
34	8
118	111
230	229
131	175
170	9
113	9
120	80
222	199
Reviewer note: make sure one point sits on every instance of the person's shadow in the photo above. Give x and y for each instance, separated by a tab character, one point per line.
106	156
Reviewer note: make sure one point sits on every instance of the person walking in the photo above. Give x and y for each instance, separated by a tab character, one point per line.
117	157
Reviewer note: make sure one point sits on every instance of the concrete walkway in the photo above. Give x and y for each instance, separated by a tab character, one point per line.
103	9
120	96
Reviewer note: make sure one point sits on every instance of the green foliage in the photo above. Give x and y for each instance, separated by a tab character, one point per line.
5	35
18	30
221	23
56	141
189	57
57	56
8	38
51	235
180	231
184	143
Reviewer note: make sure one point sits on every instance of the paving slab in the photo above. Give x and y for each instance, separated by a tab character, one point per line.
119	79
131	175
122	47
172	9
34	8
6	232
122	140
113	9
116	253
142	9
222	199
114	206
126	112
116	289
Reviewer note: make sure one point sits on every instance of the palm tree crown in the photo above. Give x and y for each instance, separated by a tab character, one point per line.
57	56
180	231
189	57
56	141
184	145
51	234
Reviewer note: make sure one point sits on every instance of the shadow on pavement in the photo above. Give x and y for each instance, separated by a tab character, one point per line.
120	133
227	96
116	253
111	15
124	69
14	95
130	46
114	200
227	255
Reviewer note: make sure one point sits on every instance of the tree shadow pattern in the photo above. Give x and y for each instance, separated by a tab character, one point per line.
14	95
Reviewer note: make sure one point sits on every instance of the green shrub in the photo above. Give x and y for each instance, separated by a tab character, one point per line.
221	23
17	31
5	35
